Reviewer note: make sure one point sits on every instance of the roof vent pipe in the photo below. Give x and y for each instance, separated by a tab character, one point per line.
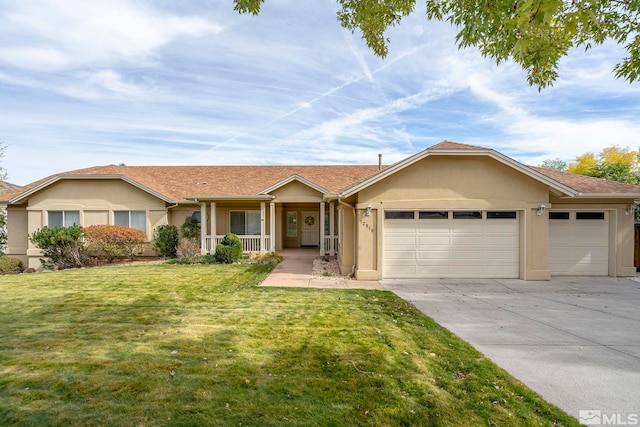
379	161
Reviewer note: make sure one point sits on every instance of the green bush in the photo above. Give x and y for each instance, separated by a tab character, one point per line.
114	241
190	229
9	265
229	250
63	247
165	241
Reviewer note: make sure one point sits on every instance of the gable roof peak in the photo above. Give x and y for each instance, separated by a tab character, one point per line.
450	145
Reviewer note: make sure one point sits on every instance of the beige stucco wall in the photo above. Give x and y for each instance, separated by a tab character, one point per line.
96	200
455	182
17	233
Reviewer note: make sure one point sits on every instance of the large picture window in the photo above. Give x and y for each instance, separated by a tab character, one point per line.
63	218
131	219
245	223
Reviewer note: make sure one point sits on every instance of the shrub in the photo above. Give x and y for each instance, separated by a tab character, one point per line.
10	265
62	246
114	241
269	258
229	250
190	229
188	248
165	241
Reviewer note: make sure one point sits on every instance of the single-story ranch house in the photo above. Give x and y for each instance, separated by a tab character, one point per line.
452	210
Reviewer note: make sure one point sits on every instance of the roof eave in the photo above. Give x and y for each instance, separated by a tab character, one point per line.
294	177
259	197
20	197
607	196
553	184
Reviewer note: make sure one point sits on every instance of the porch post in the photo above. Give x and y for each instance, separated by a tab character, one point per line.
272	227
203	229
322	252
332	249
262	226
212	219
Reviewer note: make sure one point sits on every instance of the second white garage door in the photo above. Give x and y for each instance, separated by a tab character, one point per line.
579	243
432	244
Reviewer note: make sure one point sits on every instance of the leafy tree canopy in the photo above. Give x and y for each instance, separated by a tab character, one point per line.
613	163
535	34
556	164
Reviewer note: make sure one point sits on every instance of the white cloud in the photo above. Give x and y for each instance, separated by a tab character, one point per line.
51	35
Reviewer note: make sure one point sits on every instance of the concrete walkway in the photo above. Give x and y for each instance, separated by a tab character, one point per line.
295	271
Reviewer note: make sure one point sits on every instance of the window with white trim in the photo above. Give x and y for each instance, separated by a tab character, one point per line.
245	223
57	219
131	219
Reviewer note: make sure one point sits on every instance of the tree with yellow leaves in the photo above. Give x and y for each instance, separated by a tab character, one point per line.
613	163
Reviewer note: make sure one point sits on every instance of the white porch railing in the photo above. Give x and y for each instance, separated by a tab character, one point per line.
327	245
249	243
252	243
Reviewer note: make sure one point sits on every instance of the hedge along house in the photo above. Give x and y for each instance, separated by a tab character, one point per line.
452	210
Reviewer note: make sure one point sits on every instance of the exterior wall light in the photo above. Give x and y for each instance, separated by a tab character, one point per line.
368	212
541	209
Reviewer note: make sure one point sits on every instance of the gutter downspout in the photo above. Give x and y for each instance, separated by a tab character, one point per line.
355	224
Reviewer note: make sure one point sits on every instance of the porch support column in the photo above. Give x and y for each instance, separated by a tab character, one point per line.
322	252
272	227
332	249
212	220
203	229
262	226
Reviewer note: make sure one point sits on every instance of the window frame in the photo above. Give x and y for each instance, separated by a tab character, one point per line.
246	225
64	214
467	215
502	214
394	215
129	219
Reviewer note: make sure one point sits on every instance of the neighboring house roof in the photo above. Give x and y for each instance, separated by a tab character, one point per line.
587	185
175	183
5	187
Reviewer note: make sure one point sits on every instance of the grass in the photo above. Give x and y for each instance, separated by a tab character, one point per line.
202	345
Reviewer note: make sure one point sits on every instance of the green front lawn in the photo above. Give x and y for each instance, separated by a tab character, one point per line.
202	345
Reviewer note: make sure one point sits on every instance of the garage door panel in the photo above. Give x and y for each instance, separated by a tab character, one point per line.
471	248
468	240
400	241
433	241
579	247
437	255
400	256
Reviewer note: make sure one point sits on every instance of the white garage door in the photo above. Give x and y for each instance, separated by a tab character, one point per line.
579	243
430	244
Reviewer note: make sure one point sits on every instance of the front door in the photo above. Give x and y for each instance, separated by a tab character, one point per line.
309	229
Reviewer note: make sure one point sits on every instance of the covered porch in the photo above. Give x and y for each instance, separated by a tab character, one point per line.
266	226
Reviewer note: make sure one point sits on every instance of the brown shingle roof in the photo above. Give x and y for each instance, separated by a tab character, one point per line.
178	182
450	145
588	184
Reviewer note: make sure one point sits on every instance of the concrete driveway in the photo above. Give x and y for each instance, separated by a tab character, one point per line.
576	341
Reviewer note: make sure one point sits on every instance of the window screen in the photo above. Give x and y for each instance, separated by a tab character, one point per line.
132	219
433	215
558	215
467	215
501	215
589	215
245	223
63	218
399	215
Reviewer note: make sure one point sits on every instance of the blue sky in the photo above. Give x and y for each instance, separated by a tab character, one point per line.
86	83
